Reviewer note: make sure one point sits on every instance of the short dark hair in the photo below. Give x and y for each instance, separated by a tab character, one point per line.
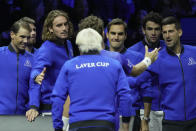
117	21
19	24
92	22
28	20
152	16
171	20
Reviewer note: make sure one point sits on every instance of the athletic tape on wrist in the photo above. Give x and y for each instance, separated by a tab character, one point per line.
147	61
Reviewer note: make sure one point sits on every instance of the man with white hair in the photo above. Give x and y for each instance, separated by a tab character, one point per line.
93	82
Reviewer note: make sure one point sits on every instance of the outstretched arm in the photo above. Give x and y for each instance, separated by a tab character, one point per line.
149	58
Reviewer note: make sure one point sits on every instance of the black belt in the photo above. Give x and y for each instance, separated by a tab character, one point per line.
173	122
100	123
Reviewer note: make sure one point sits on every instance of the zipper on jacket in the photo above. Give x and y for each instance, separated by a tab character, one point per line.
184	88
17	82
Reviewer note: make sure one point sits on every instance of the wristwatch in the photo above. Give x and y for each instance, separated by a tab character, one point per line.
146	118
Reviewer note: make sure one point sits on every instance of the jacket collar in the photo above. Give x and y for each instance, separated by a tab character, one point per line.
123	50
10	47
150	45
169	51
33	50
91	52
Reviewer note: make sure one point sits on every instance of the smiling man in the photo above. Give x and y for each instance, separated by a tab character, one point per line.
15	68
117	34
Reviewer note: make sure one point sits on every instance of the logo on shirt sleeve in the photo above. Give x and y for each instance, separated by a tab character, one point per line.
129	63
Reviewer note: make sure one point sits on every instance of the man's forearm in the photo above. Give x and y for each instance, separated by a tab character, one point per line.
141	67
138	69
147	109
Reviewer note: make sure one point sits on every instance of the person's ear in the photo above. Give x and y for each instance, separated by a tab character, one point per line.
51	30
180	32
125	35
143	31
12	35
107	35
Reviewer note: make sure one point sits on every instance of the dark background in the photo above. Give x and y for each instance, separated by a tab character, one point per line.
131	11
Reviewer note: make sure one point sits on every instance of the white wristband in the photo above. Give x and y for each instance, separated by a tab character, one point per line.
65	122
147	61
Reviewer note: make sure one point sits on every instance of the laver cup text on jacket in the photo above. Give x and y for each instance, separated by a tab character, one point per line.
90	65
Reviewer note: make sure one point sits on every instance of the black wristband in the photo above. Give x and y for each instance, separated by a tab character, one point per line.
147	99
146	118
34	107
